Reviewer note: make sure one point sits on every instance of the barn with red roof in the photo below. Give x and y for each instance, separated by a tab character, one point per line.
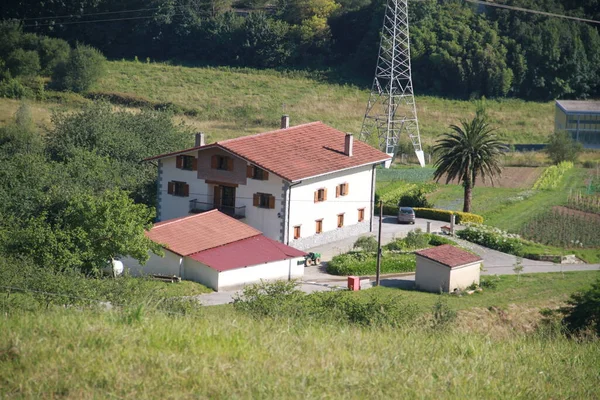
218	251
304	185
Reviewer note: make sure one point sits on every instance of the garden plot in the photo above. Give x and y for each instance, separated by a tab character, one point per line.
512	177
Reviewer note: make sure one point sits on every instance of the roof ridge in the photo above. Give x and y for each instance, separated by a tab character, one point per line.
175	220
228	243
269	132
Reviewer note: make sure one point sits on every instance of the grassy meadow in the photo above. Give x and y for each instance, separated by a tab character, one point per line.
230	102
496	348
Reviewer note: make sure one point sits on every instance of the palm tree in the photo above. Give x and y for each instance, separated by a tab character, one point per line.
469	151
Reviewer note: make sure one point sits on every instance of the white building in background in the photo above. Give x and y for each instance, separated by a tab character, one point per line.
304	185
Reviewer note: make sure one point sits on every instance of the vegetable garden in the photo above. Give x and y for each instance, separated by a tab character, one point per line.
561	227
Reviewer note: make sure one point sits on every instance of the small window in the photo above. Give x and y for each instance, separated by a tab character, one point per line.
361	214
257	173
297	232
341	190
320	195
179	188
264	200
340	220
222	163
319	226
188	163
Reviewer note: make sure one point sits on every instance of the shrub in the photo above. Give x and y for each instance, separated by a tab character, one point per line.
415	199
359	263
492	238
80	71
442	314
583	310
444	215
416	239
14	89
561	147
23	63
52	52
366	243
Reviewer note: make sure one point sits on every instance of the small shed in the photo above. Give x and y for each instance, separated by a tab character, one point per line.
446	268
219	252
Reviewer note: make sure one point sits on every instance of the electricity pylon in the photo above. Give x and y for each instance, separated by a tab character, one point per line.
391	108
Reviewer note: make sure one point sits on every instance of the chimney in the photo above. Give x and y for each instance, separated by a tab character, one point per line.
285	121
348	144
199	139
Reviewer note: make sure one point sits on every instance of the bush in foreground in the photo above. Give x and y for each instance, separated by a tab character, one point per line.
583	311
359	263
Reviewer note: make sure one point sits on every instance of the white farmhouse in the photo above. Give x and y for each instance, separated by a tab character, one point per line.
304	185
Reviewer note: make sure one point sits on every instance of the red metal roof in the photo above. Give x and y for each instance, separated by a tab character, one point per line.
449	255
245	253
188	235
298	152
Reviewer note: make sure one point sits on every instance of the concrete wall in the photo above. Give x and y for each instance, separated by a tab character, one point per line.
279	270
304	211
170	264
198	272
464	276
431	276
170	206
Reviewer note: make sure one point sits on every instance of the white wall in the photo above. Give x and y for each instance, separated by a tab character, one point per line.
431	276
263	219
278	270
198	272
170	264
171	206
304	211
464	276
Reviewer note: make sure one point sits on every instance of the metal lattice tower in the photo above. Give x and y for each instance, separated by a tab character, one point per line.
391	108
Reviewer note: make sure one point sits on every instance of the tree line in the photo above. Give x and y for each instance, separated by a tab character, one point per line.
458	49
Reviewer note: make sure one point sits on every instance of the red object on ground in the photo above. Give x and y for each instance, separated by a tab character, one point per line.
353	283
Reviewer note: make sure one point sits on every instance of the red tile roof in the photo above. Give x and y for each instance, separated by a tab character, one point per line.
449	255
189	235
298	152
247	252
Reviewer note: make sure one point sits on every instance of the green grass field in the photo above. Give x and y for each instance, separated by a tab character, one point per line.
221	353
234	102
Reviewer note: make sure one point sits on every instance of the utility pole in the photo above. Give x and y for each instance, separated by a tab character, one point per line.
379	244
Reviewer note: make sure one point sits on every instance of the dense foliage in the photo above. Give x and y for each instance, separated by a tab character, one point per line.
583	310
77	196
458	49
561	147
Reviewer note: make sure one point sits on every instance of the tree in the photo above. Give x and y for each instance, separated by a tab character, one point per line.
583	310
82	69
468	152
561	147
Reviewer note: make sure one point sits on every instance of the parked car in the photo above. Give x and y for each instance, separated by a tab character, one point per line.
406	214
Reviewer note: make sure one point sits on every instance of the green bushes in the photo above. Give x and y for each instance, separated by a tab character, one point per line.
80	71
284	300
444	215
492	238
552	176
366	243
359	263
583	311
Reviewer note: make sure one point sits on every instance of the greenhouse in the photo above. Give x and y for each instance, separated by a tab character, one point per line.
581	119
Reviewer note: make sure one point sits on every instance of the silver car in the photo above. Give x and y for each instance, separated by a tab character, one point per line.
406	214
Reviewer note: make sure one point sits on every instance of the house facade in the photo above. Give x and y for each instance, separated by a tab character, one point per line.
303	186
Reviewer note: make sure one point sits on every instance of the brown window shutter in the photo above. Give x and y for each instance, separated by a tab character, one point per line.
214	162
337	190
265	175
249	171
316	196
271	201
195	164
179	162
324	194
171	188
347	191
229	164
186	190
256	200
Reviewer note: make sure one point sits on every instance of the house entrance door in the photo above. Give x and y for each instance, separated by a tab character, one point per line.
228	200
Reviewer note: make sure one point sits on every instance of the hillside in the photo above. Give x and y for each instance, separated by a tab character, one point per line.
227	102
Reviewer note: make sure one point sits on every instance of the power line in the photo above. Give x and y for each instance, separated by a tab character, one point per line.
98	20
85	15
527	10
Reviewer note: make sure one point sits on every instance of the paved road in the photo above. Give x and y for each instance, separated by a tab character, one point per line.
495	262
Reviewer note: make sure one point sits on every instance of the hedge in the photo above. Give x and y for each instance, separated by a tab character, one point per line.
444	215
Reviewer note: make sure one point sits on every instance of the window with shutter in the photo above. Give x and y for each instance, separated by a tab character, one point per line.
320	195
179	162
340	220
188	163
297	232
256	200
341	190
319	226
264	200
214	162
361	214
171	187
229	163
179	189
249	171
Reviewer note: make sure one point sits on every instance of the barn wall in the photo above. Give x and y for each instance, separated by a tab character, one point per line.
170	264
278	270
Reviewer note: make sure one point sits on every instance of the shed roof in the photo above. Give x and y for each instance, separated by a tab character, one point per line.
579	106
189	235
245	253
298	152
449	255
